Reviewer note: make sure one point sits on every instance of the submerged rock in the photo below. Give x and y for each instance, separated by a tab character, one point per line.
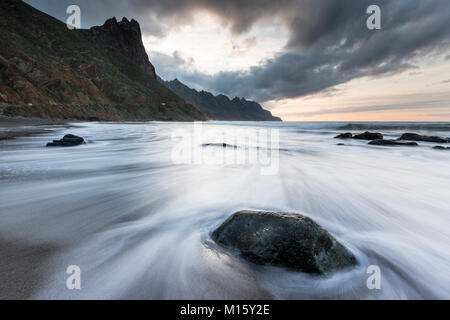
283	239
392	143
369	136
418	137
441	148
222	145
69	140
347	135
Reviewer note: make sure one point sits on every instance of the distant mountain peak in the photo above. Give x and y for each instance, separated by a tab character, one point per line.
176	81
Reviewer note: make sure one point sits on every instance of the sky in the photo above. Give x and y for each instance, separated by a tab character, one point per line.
304	60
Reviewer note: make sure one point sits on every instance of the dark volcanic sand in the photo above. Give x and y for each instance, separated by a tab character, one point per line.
11	128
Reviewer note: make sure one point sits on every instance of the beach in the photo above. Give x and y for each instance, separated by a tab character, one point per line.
11	128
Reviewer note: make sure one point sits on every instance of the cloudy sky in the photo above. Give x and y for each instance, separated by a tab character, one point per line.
304	60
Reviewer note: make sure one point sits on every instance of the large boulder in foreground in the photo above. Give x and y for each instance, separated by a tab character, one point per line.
283	239
369	136
392	143
418	137
69	140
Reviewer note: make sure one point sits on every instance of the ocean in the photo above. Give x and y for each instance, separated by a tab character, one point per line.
134	209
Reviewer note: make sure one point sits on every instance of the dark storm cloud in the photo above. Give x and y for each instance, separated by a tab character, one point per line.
171	66
328	44
239	15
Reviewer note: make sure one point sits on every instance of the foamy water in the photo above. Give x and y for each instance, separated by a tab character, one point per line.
138	224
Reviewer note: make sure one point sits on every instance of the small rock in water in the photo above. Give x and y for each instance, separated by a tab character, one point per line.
369	136
441	148
69	140
283	239
347	135
340	144
418	137
392	143
222	145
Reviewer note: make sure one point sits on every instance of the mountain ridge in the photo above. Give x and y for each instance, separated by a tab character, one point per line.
221	107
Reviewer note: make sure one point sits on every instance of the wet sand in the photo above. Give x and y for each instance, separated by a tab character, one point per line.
11	128
22	268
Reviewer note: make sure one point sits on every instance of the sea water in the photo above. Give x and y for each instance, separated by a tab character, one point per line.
137	223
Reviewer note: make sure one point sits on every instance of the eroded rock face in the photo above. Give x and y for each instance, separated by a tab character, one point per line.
418	137
369	136
392	143
69	140
347	135
283	239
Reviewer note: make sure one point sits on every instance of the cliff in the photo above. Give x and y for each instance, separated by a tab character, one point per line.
123	38
103	72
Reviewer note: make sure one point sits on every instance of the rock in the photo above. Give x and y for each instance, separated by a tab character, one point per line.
123	38
340	144
418	137
283	239
69	140
222	145
441	148
392	143
369	136
347	135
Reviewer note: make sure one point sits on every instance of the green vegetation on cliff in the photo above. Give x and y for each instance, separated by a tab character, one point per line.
101	73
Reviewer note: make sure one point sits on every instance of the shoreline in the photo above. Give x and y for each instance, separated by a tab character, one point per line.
16	127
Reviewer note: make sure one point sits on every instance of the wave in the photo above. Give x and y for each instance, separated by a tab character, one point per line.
330	127
397	126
